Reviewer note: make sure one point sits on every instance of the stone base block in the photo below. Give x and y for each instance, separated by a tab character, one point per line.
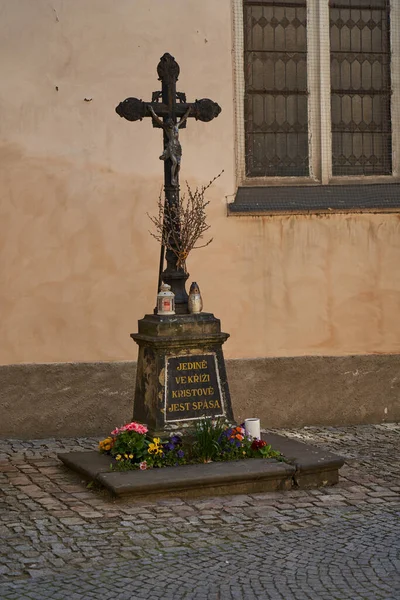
304	467
181	373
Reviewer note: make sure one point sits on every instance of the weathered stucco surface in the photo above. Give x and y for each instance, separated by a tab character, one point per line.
78	266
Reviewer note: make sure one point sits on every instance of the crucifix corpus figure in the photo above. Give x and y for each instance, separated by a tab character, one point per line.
165	108
173	149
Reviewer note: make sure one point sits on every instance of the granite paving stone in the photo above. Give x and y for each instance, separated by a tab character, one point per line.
63	539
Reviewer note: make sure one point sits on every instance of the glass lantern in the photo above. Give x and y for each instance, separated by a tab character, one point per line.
165	300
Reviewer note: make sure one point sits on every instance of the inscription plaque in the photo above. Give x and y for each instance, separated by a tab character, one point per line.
193	388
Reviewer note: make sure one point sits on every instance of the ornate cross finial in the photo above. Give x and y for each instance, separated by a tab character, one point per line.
168	69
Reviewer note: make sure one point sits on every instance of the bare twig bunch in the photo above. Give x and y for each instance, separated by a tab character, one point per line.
178	227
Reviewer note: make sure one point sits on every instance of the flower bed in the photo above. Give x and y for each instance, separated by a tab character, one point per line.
208	440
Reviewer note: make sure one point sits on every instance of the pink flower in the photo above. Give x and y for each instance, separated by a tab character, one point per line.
141	429
137	427
143	465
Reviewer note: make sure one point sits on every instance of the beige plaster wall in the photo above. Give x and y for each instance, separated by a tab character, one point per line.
77	265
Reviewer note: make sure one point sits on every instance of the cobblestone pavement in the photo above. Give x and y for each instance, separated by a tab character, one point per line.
63	540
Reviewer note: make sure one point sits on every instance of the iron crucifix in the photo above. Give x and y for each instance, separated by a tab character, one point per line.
165	108
173	149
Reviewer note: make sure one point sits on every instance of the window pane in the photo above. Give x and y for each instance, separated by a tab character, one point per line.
359	3
276	115
276	2
360	87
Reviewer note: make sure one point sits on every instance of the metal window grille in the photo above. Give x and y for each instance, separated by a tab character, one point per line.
360	87
275	103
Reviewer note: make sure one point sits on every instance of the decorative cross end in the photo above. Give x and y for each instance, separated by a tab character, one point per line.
132	109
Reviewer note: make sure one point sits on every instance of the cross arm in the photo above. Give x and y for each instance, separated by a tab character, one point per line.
134	109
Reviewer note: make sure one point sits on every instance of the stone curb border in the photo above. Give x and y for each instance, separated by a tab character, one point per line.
305	467
313	467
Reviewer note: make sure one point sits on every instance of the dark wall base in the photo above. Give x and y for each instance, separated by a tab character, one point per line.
82	399
317	390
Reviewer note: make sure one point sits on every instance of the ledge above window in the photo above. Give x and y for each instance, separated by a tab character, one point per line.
316	199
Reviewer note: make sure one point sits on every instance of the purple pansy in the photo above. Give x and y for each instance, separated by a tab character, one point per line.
168	446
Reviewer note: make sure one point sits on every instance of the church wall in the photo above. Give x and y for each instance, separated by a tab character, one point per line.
78	266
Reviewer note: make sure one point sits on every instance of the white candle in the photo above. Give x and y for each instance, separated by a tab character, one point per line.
252	428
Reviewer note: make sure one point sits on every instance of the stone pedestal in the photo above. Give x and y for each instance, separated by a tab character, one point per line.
181	373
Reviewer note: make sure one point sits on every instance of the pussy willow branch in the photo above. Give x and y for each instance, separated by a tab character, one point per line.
179	227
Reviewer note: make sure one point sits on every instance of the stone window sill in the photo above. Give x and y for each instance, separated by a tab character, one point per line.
315	199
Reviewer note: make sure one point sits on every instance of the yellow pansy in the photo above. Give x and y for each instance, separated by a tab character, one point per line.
154	447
